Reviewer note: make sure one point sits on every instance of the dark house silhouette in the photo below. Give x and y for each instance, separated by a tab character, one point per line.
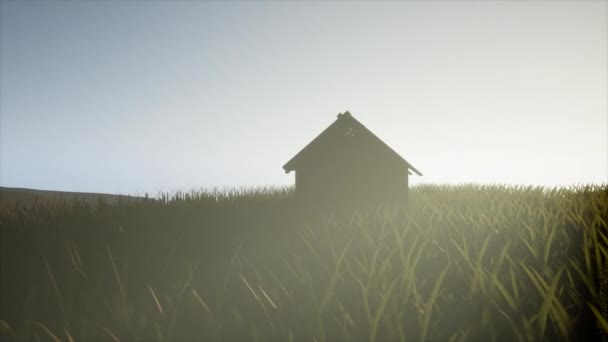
348	166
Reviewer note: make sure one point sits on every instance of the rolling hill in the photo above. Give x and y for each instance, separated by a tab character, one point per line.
10	196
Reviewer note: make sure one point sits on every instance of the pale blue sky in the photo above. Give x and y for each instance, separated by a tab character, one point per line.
133	97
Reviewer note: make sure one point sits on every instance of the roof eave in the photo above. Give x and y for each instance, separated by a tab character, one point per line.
287	169
415	170
289	166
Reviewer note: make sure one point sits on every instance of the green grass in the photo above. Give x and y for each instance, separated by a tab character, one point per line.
459	263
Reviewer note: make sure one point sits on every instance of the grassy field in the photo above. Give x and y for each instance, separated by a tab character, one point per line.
459	263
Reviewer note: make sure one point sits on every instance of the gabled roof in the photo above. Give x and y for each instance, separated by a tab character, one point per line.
345	119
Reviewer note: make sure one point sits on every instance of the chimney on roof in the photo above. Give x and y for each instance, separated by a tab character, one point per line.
345	114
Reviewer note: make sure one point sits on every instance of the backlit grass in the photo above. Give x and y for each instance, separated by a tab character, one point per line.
459	263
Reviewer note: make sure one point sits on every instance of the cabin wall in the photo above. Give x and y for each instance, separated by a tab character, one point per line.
352	187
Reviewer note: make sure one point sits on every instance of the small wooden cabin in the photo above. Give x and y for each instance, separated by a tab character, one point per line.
348	166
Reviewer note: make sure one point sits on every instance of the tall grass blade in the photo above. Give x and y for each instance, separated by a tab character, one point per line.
56	288
601	320
426	318
48	332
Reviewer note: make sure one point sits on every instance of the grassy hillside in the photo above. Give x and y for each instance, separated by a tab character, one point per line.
460	263
23	196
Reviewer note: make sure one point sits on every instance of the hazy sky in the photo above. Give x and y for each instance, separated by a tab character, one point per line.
141	96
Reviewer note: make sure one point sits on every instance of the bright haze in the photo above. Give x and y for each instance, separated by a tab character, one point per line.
133	97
